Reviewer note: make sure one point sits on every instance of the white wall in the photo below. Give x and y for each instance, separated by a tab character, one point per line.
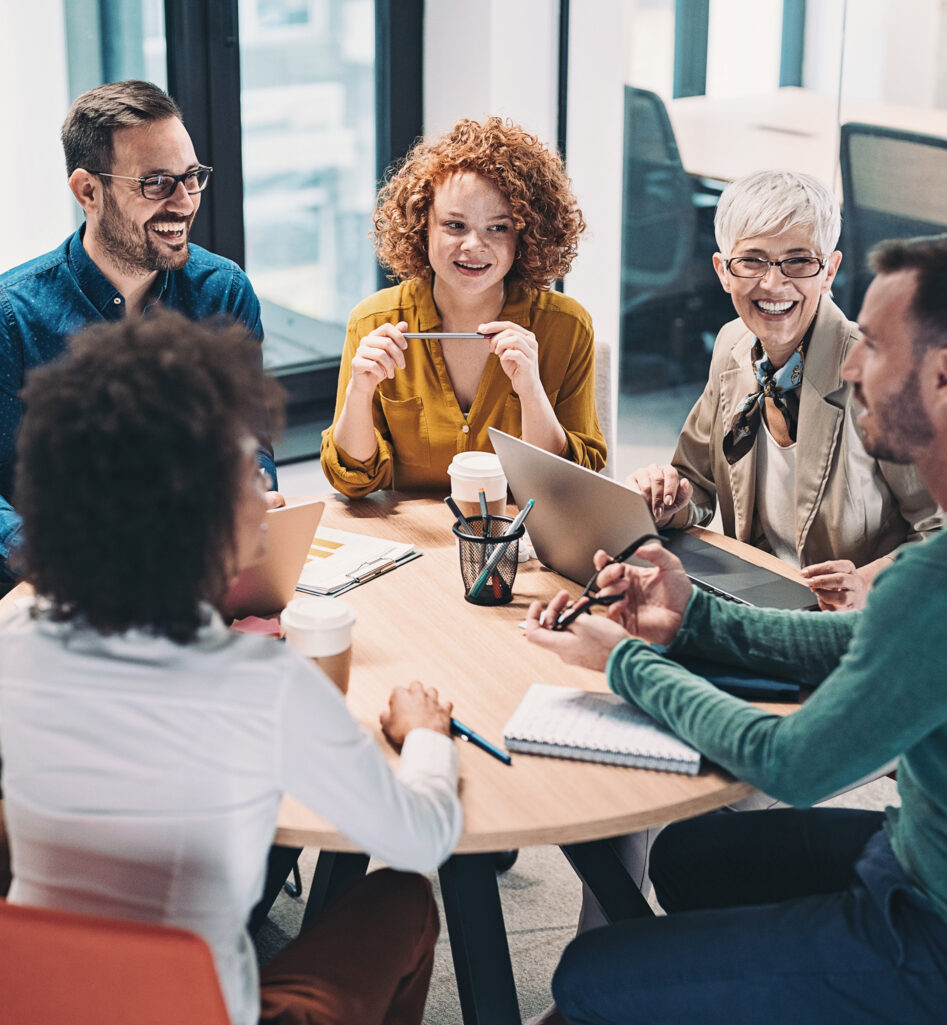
744	40
36	207
491	57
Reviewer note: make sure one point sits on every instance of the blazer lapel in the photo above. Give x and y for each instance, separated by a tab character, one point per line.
821	405
736	382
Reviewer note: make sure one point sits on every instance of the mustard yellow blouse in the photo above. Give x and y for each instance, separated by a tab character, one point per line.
419	425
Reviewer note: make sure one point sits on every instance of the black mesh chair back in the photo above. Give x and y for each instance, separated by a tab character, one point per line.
659	217
894	185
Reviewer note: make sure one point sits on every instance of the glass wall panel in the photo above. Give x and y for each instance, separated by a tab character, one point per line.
308	116
113	40
893	115
651	45
873	62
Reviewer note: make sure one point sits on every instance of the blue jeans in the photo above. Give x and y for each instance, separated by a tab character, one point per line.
802	917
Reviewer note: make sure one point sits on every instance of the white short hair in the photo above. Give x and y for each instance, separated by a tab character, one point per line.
769	202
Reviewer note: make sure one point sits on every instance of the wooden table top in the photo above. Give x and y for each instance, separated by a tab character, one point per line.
414	623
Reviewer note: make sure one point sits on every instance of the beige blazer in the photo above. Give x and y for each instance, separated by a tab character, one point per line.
848	505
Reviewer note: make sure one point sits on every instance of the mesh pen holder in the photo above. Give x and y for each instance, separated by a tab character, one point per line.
479	552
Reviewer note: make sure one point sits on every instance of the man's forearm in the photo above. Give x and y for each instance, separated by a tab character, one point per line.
803	646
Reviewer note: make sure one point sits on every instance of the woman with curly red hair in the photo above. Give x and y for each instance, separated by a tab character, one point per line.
477	225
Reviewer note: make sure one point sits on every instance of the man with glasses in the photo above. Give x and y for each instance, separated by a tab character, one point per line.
133	170
772	439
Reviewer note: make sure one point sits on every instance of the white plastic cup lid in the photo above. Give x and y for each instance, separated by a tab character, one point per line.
316	612
475	466
318	626
470	471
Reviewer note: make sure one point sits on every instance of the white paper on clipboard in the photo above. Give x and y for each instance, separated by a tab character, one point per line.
339	560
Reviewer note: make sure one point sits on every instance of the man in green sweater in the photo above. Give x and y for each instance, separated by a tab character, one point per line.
804	916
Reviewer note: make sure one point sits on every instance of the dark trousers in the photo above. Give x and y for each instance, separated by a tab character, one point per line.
367	958
782	916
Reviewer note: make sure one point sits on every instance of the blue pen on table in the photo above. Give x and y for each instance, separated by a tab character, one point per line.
466	733
461	519
494	559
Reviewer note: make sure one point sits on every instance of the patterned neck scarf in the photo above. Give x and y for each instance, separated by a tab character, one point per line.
782	386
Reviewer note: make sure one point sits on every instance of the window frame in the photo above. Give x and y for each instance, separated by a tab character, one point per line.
203	55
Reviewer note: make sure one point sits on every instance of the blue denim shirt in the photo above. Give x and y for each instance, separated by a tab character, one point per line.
45	301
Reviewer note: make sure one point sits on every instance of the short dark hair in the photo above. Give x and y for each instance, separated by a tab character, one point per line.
94	116
927	257
130	467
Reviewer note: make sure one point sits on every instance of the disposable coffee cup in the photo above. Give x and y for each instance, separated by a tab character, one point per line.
321	629
471	471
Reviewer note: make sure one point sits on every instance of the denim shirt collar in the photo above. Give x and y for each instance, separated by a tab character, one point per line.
96	286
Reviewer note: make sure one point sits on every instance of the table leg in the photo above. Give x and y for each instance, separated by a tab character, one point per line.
279	864
478	940
598	865
334	872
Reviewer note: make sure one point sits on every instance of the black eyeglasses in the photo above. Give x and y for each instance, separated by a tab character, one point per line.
160	186
590	599
791	267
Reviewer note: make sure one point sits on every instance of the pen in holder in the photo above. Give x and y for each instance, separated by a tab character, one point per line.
477	552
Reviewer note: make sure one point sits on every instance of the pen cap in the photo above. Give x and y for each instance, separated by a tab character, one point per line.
471	471
317	627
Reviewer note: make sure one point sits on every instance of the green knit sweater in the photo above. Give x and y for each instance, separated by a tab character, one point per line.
881	692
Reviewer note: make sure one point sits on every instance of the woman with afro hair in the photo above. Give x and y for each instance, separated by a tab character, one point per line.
476	226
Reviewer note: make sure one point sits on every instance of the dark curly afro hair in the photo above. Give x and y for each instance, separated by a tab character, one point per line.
533	180
130	462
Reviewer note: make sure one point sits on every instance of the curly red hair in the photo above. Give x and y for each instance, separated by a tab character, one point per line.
531	177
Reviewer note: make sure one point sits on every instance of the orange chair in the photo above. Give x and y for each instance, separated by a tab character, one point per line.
59	968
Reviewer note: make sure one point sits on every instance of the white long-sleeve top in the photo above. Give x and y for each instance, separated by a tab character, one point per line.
142	778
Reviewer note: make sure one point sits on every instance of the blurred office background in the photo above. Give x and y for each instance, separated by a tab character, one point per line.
300	105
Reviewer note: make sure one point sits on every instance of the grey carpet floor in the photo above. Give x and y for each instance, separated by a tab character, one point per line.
541	897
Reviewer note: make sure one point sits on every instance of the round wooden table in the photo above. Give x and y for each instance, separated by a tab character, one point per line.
413	623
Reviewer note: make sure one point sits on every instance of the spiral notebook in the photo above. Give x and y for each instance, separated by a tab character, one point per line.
567	722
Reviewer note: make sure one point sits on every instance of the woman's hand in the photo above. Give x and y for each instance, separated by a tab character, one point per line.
664	488
837	584
518	352
378	356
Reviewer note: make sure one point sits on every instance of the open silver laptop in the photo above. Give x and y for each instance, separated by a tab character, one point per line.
267	585
578	511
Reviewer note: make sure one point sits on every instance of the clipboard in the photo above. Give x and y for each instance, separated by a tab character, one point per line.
339	560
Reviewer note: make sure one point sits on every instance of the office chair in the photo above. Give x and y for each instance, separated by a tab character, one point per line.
661	258
658	217
892	187
60	968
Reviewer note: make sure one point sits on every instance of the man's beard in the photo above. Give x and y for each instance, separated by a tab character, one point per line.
131	248
901	424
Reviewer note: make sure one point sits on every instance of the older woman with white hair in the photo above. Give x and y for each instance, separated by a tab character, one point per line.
772	439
